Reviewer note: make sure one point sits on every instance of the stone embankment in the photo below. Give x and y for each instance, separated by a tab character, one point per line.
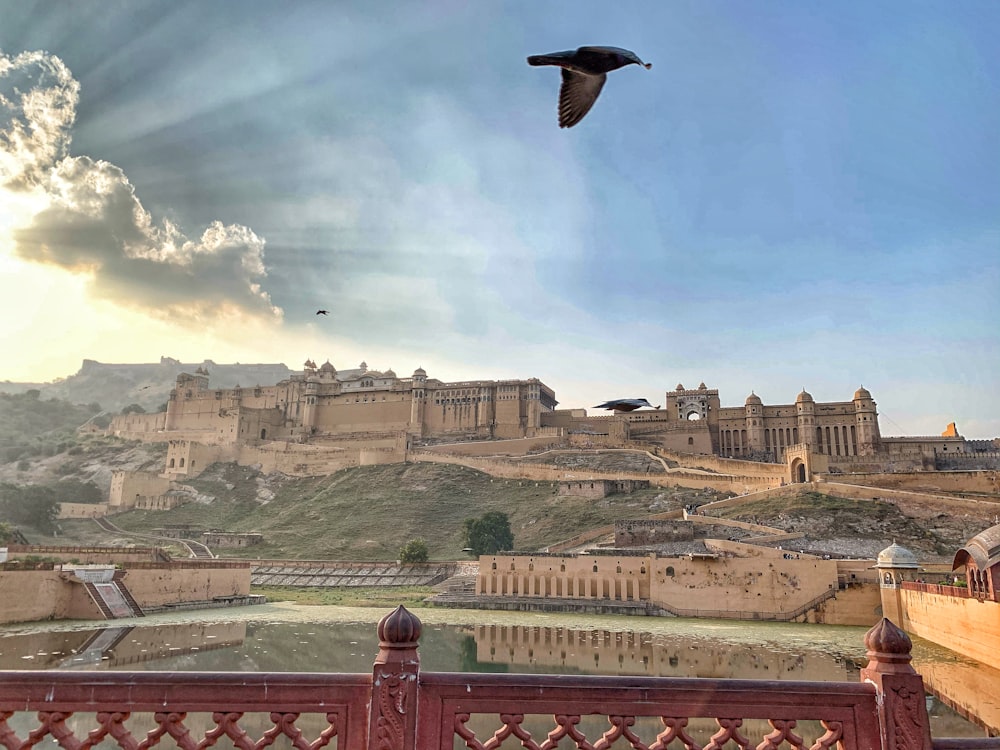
312	573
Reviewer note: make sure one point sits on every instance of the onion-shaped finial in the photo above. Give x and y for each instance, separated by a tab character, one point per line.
400	628
888	647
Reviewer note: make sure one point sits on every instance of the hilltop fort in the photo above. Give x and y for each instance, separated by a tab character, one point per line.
321	419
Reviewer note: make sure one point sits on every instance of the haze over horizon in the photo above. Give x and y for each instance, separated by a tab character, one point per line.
793	197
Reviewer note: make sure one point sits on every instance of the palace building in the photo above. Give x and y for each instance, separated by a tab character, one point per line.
321	419
322	402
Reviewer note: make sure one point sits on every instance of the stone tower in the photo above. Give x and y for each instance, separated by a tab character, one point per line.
869	439
418	394
755	421
805	412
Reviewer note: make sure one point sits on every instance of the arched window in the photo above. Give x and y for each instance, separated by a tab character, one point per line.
171	463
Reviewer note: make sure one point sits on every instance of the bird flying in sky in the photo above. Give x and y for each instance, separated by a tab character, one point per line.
584	72
322	312
625	404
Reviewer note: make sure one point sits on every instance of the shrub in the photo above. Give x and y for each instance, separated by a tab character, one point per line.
414	551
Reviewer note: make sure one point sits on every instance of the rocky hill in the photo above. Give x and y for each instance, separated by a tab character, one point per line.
115	386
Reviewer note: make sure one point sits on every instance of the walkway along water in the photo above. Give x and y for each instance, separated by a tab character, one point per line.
398	707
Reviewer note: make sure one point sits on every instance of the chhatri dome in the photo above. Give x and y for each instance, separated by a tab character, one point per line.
804	396
753	398
862	392
895	556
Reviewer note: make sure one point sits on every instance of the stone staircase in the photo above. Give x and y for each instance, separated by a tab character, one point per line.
457	591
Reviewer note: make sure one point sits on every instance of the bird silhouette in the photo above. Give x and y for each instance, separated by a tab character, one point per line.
322	312
584	72
625	404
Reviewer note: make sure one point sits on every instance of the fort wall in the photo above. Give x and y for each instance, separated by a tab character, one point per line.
917	503
82	510
965	625
548	437
853	605
986	482
129	486
166	584
541	472
84	555
699	586
53	597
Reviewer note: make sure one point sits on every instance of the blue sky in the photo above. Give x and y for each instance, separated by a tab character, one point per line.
795	195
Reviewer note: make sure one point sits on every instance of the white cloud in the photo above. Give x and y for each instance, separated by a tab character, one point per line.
84	216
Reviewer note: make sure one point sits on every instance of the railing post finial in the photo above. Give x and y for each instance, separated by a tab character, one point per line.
902	712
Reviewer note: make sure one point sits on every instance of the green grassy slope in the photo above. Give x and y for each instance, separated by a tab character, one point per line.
368	513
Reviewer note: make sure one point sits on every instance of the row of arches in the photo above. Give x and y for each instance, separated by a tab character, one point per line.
979	583
832	440
580	587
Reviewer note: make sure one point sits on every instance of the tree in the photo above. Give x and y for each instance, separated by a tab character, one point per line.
414	551
133	409
32	505
488	534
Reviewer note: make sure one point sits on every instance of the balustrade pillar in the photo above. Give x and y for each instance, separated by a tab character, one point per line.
393	721
901	704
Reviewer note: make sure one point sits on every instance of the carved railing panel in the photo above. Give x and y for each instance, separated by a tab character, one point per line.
545	712
196	711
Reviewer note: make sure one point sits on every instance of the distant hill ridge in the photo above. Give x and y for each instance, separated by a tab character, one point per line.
115	386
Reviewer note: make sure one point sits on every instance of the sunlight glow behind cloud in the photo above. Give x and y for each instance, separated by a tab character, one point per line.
83	215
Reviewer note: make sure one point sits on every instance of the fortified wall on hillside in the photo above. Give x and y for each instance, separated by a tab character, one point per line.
320	420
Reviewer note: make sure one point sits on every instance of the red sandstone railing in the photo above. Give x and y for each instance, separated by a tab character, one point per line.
937	588
400	708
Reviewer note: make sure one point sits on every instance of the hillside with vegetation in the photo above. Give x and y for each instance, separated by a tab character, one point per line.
34	426
368	513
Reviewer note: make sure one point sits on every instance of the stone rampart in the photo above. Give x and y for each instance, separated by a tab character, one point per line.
962	624
931	483
85	555
52	597
756	528
144	427
155	585
984	509
729	466
541	472
515	447
644	532
55	596
82	510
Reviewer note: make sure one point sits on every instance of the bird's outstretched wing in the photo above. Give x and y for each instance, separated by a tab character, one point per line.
577	95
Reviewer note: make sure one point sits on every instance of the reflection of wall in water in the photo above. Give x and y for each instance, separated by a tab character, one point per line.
173	640
44	650
971	688
631	653
51	650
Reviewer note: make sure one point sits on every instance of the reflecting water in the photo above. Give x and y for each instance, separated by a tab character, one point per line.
287	637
